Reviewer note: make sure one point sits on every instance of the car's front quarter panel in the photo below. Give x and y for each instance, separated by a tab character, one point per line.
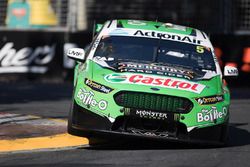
100	101
206	113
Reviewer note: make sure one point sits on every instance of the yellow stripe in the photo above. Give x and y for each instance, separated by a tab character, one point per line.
56	141
58	120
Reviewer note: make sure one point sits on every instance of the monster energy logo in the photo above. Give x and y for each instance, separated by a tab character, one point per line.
151	114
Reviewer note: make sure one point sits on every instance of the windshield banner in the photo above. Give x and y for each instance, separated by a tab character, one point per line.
157	34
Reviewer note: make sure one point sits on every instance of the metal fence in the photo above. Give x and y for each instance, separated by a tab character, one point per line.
3	12
241	23
202	14
61	9
213	16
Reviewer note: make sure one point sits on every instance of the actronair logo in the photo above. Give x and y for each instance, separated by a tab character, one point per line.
166	82
168	36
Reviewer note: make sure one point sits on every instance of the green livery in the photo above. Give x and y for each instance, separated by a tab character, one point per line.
151	80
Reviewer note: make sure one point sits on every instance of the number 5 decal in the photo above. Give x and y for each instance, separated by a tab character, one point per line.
200	49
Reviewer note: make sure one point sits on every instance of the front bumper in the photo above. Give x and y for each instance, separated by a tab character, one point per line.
87	124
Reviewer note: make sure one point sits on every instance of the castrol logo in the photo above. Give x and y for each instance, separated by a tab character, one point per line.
166	82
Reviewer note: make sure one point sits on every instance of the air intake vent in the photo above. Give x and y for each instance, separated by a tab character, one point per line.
150	101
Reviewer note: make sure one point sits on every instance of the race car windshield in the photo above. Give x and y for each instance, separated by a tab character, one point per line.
155	50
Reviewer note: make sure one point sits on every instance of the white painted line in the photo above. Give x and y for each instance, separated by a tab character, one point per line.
19	118
20	69
8	115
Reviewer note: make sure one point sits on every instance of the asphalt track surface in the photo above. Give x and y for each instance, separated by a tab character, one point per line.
53	100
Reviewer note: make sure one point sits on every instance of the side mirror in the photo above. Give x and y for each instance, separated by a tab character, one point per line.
76	54
230	71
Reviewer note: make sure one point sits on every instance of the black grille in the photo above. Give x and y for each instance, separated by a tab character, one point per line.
156	102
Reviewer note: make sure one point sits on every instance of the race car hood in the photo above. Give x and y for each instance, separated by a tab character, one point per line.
145	77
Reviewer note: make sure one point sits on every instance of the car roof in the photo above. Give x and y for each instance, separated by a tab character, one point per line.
157	26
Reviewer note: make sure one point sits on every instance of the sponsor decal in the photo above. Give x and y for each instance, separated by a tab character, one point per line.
211	115
26	59
98	87
146	114
210	99
116	78
67	62
96	43
176	27
137	22
168	36
232	71
166	82
118	32
87	98
150	133
75	53
156	69
98	58
151	114
155	89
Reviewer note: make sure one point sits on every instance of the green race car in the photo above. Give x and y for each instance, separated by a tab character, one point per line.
152	80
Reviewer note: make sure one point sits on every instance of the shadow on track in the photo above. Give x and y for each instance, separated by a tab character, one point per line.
240	93
238	137
145	144
139	145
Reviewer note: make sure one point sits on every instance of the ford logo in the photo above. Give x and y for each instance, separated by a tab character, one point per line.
155	89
